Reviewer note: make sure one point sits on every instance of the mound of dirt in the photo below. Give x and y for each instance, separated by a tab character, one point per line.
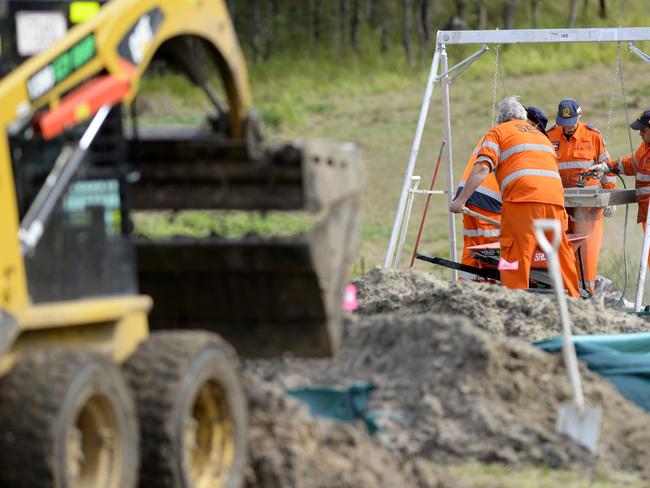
465	394
515	313
290	448
453	385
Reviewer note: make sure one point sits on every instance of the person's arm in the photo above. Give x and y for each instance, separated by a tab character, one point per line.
617	166
474	180
608	179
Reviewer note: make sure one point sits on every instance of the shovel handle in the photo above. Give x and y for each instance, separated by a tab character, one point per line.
568	349
548	225
480	216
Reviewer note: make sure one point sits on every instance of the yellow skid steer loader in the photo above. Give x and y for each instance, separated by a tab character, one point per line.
89	395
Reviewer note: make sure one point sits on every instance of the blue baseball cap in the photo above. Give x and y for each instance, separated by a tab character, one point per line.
537	117
567	112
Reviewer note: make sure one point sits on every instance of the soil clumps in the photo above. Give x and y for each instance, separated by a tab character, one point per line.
452	385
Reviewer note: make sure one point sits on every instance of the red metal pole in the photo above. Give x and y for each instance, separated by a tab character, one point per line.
426	205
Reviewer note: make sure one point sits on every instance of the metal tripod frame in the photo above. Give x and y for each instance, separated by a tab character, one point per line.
439	62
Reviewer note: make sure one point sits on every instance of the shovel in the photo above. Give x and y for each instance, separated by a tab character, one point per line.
479	216
577	420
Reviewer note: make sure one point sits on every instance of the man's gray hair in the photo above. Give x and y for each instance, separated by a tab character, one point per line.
510	109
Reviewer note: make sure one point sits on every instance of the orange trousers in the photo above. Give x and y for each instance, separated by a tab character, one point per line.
518	243
588	221
476	232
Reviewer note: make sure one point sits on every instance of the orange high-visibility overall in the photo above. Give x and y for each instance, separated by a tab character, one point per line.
525	165
486	200
584	148
639	167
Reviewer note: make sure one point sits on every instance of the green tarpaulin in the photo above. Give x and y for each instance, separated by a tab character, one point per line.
624	359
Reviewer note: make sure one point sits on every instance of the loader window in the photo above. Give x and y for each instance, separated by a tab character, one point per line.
85	248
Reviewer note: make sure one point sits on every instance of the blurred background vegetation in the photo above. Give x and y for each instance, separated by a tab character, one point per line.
356	70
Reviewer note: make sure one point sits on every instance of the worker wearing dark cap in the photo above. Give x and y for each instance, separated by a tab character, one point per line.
537	118
579	146
637	165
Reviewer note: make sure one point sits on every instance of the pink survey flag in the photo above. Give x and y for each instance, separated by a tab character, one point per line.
507	265
350	303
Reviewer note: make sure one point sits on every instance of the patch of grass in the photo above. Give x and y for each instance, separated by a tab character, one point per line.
479	475
160	225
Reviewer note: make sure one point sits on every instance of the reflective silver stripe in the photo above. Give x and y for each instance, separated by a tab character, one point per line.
489	193
608	179
603	157
528	172
620	166
525	147
590	283
575	165
481	159
643	191
642	177
481	232
492	145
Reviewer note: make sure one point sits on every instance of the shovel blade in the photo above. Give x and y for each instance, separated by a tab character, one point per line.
581	425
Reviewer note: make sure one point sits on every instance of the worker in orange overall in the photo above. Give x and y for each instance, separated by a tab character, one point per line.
525	167
579	146
637	166
486	200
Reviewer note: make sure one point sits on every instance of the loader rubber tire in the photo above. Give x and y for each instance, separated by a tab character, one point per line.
67	419
192	410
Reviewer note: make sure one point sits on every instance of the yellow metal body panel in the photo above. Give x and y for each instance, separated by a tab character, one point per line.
114	326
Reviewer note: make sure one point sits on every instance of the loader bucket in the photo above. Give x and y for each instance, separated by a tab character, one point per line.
266	296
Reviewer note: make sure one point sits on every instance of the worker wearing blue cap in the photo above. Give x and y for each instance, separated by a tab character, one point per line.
579	146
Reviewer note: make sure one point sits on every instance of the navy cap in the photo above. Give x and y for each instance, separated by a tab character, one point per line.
568	111
537	117
643	120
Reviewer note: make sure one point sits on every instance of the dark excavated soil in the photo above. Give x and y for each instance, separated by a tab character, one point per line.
453	363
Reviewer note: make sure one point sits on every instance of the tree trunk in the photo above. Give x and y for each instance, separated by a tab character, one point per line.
425	19
424	32
603	9
315	18
509	14
271	29
343	16
573	13
373	13
533	13
481	11
408	27
256	30
355	25
383	27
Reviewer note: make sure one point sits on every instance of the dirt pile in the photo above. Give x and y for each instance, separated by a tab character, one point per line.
514	313
290	448
455	388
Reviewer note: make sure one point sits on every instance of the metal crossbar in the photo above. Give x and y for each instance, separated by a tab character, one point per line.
529	36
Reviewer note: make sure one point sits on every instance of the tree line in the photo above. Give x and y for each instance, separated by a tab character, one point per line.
269	27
